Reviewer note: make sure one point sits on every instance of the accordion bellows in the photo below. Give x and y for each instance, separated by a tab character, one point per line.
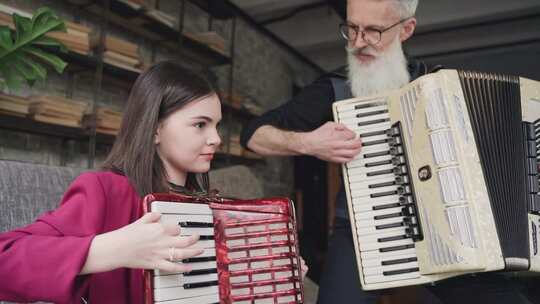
250	253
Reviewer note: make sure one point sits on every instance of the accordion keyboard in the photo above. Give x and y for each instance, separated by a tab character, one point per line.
201	284
385	214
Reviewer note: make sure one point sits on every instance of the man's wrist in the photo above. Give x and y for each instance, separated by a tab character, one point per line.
299	142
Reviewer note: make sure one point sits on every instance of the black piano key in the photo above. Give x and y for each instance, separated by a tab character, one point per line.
372	122
400	271
388	226
386	184
363	106
396	141
360	115
387	216
398	261
396	248
200	284
195	225
381	194
376	154
374	133
392	238
386	206
200	272
200	259
380	172
375	142
206	237
379	163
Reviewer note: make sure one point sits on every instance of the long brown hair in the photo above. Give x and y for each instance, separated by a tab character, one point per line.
157	93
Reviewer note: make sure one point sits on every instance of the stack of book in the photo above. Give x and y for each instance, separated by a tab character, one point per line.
75	39
14	105
57	110
118	52
108	121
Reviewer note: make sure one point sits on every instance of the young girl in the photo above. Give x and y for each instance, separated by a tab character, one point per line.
93	247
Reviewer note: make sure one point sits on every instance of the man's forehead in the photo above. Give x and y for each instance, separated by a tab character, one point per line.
371	12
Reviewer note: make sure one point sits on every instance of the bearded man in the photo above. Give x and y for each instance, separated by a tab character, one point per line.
375	31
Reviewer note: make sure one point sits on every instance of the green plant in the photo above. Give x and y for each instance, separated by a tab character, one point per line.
22	57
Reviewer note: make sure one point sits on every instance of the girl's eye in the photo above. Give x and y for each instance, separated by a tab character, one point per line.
200	125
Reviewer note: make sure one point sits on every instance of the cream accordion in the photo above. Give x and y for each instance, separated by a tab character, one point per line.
447	180
250	256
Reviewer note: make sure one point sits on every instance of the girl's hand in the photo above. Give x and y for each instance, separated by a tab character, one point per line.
145	244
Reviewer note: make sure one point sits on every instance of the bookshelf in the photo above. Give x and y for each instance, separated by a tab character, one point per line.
91	58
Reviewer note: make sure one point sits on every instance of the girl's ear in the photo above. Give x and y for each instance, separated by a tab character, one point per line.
156	136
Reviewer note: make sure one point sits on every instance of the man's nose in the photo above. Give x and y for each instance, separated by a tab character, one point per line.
359	41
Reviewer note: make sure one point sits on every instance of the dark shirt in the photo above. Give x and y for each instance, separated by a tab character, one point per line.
312	107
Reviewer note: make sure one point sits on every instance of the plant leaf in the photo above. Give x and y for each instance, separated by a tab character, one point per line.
6	41
51	42
58	64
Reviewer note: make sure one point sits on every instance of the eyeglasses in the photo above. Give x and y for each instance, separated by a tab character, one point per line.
371	36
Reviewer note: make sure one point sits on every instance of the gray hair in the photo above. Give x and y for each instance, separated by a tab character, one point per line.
406	8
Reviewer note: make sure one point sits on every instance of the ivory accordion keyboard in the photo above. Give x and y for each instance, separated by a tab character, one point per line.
250	251
447	180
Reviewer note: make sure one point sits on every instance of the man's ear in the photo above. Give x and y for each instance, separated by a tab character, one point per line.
407	29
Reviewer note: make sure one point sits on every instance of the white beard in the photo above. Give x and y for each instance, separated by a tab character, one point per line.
387	72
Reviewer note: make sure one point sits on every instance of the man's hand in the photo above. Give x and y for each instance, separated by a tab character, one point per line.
332	142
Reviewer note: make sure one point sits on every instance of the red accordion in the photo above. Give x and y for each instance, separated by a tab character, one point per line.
251	252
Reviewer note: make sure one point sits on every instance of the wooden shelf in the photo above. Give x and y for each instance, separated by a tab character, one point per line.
138	20
91	62
24	124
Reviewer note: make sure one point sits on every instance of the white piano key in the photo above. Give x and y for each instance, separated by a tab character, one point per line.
372	182
398	277
355	106
206	299
178	280
377	256
365	231
372	246
368	128
378	270
176	218
180	208
377	191
374	238
372	202
353	113
372	222
367	140
368	230
365	119
364	170
360	180
200	231
194	266
166	294
374	213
